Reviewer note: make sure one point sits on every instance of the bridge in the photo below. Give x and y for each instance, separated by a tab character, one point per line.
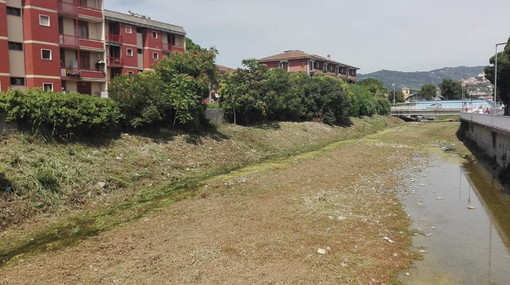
434	109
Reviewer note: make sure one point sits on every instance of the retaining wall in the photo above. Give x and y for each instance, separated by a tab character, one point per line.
491	135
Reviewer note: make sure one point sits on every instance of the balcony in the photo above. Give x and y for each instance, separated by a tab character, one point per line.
114	38
169	48
114	62
82	74
70	41
91	12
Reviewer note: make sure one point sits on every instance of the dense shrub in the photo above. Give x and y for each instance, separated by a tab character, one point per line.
141	99
172	94
70	114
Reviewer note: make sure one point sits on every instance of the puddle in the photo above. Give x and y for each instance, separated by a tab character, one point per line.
463	217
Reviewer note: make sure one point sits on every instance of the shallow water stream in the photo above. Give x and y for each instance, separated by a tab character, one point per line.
463	220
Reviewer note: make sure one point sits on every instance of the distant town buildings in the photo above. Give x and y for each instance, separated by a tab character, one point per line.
296	60
76	45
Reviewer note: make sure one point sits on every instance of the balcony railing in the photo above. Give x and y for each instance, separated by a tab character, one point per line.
114	38
115	61
172	48
82	74
71	41
72	9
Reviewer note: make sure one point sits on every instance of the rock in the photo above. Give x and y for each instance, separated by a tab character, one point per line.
101	185
439	198
321	251
471	208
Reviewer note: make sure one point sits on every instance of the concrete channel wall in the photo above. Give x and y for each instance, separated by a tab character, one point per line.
491	134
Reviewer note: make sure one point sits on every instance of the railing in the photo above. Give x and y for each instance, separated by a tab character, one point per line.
113	38
78	42
73	9
172	48
114	61
497	122
67	8
81	73
69	41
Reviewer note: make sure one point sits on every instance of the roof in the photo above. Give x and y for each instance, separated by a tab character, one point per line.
297	54
224	68
142	21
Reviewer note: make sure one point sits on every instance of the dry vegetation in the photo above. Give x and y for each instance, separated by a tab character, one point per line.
322	217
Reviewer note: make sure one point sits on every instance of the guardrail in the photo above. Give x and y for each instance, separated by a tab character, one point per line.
501	123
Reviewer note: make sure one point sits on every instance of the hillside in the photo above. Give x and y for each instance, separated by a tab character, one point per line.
415	80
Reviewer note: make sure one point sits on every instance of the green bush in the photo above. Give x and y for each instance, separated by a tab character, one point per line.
70	114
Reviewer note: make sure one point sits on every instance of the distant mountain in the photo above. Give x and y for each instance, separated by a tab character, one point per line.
415	80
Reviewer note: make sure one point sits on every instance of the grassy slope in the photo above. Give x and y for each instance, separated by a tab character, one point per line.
56	179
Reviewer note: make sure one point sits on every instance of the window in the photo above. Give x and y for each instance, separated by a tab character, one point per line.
83	29
155	55
15	46
85	60
17	81
44	20
129	30
171	39
48	86
14	11
155	35
140	51
83	3
129	52
46	54
130	72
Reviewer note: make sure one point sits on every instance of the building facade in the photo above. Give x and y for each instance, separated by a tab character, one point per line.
76	45
296	61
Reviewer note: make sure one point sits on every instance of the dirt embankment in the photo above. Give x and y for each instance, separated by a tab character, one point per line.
50	179
323	217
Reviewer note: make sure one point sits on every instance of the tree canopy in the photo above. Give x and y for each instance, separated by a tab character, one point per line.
450	89
427	91
503	87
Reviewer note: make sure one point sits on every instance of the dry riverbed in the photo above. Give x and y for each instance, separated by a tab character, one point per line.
324	217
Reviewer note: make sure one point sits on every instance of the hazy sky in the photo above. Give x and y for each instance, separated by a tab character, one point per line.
404	35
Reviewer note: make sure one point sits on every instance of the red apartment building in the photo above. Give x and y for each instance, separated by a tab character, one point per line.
76	45
296	60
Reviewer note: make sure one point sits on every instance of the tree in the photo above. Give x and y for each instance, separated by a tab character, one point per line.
428	91
141	99
187	78
450	89
503	87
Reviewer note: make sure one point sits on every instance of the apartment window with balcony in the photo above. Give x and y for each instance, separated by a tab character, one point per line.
83	29
129	30
44	20
171	39
14	11
46	54
284	65
85	60
17	81
15	46
48	86
129	52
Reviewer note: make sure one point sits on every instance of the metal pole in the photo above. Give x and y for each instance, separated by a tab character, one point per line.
496	78
393	93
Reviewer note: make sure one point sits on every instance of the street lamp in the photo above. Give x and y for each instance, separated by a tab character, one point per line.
393	85
496	78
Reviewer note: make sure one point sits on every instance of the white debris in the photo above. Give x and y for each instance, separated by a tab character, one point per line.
388	239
